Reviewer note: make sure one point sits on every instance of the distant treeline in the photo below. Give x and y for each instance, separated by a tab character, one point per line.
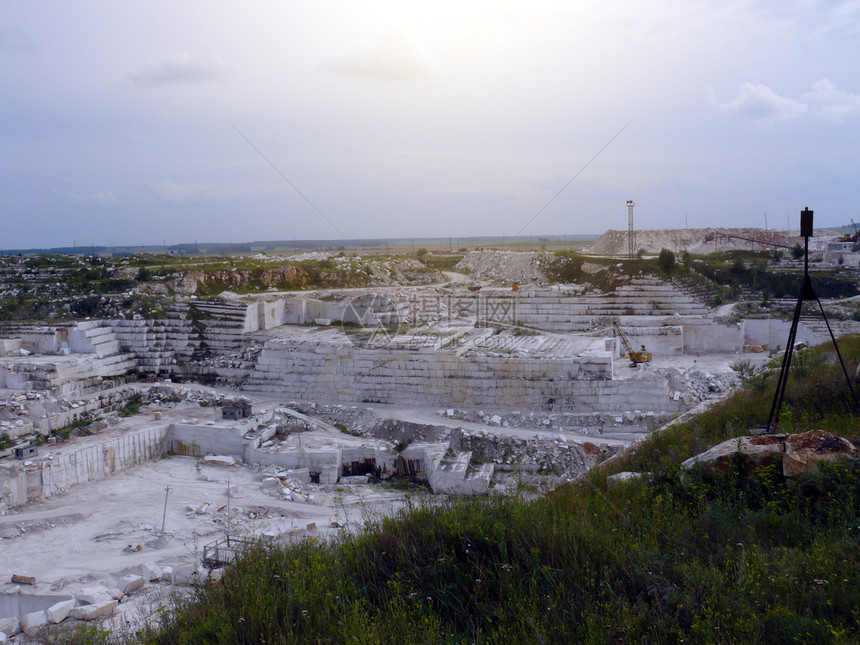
224	248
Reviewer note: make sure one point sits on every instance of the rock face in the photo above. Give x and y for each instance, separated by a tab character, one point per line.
797	453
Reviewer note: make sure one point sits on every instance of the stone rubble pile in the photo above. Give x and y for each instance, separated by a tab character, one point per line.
582	424
39	412
542	454
314	256
166	393
357	419
693	386
522	267
292	485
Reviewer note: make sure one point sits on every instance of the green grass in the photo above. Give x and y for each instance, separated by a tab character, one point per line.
132	407
442	261
718	276
711	559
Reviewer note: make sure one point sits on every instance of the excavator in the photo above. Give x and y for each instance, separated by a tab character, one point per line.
635	357
847	237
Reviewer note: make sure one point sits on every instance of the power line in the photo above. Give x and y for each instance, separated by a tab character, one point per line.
286	179
581	170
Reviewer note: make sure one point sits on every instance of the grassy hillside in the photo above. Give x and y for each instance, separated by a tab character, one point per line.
730	559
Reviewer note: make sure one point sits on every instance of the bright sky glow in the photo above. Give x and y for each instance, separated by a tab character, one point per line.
399	118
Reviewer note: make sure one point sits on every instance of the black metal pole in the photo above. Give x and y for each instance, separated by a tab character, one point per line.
807	292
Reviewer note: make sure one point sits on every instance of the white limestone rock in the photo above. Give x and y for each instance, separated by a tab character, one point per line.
58	612
130	583
30	623
95	610
10	626
150	571
94	595
184	574
219	460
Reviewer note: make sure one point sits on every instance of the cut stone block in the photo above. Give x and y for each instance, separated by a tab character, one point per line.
130	583
218	460
184	574
32	622
95	610
58	612
150	571
94	595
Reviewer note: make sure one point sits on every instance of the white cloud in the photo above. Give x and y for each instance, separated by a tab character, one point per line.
104	198
390	57
763	105
182	69
829	103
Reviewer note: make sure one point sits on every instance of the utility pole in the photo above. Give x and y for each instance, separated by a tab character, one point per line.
228	508
631	235
164	514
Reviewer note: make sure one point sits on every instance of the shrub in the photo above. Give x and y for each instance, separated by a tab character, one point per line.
666	260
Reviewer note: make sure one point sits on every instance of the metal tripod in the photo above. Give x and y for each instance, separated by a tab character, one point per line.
807	292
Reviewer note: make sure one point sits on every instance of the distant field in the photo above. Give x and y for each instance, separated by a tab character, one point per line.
399	246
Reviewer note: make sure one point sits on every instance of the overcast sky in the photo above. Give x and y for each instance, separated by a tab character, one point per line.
138	122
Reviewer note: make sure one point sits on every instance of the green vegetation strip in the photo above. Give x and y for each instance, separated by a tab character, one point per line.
713	559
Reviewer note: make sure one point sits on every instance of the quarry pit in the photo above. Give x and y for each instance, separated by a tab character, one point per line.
279	416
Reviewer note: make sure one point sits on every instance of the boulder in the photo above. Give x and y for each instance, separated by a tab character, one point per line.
10	626
58	612
184	574
150	571
218	460
94	595
130	583
753	451
796	454
95	610
30	623
626	476
803	452
23	580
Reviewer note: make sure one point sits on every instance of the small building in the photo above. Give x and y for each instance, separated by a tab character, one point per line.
25	452
236	411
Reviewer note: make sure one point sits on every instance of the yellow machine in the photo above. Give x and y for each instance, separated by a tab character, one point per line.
635	357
